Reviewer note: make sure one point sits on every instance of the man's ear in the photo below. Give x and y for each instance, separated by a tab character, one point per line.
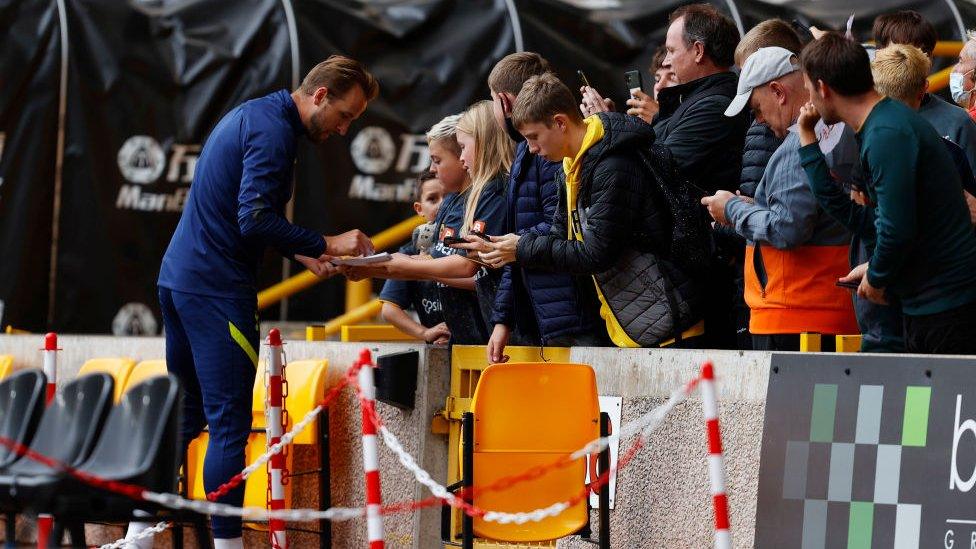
823	90
699	51
779	91
319	95
508	103
416	207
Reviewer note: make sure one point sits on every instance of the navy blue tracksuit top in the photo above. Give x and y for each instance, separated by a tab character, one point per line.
241	184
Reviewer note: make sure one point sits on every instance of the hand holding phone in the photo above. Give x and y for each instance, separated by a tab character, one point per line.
583	78
635	82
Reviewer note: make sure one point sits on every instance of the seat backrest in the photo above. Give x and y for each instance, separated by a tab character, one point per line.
306	388
21	404
145	370
139	442
119	368
71	424
528	415
6	365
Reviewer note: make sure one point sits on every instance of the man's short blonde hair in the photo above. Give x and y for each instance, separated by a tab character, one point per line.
900	72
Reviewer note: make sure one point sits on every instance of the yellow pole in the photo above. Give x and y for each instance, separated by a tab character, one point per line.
355	316
947	48
939	80
305	279
358	293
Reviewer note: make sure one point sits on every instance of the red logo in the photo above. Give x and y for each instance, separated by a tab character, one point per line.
478	226
446	232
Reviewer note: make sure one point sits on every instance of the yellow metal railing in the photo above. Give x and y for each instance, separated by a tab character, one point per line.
947	48
374	332
940	80
357	293
364	312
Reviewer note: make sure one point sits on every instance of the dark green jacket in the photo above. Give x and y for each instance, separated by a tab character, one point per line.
925	249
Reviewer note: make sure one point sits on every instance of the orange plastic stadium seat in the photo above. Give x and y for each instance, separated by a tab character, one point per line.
119	368
526	415
6	365
145	370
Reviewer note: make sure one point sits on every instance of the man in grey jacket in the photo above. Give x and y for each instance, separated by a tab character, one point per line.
795	251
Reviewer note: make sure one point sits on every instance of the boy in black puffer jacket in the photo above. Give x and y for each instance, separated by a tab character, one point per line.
612	223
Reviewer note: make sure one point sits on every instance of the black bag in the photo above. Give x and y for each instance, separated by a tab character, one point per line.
690	247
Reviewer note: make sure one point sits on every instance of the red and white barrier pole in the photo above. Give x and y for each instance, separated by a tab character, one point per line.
45	522
51	364
374	498
273	431
716	463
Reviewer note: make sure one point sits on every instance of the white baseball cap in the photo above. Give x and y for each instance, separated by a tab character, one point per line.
766	65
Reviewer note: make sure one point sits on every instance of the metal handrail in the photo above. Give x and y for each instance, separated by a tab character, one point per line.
306	279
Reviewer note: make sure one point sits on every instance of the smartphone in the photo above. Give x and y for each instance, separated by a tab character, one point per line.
802	30
583	79
635	81
452	240
848	285
480	235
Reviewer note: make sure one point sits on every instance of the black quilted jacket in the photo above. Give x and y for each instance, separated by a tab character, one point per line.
611	192
623	214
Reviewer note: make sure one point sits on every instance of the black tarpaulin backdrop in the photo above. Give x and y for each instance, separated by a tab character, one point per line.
147	80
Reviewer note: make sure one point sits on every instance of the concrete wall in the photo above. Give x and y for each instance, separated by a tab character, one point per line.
662	497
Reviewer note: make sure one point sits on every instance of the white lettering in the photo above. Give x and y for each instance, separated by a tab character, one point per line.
366	187
182	163
972	540
413	147
132	197
948	541
955	481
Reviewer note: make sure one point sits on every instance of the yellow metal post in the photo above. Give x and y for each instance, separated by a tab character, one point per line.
809	342
848	343
358	293
315	332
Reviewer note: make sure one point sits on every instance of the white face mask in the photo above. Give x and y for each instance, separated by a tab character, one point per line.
957	88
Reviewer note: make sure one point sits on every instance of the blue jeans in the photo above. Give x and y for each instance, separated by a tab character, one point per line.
211	346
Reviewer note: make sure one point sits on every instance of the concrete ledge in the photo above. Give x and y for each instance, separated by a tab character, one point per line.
662	497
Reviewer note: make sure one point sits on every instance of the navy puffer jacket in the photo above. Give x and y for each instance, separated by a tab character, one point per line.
760	145
549	298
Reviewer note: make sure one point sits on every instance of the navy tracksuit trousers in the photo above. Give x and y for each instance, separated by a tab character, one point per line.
211	346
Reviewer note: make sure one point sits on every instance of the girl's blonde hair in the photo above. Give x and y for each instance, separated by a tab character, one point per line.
493	153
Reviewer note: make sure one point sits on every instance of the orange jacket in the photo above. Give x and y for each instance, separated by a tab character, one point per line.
794	291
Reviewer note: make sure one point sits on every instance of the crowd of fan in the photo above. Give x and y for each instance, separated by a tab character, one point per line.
763	189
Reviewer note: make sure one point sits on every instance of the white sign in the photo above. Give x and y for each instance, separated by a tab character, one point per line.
612	406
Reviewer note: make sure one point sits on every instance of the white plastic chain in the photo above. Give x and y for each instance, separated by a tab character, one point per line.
285	441
172	501
147	533
644	425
